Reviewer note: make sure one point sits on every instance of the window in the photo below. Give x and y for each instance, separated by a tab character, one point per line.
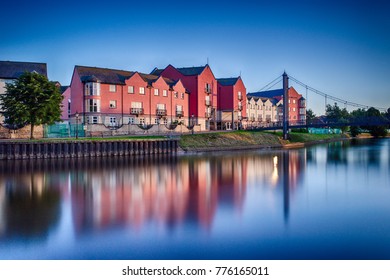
156	121
131	120
182	95
141	90
112	121
207	88
112	88
175	94
142	121
93	105
92	89
165	92
293	109
112	104
94	120
130	89
156	91
294	101
136	104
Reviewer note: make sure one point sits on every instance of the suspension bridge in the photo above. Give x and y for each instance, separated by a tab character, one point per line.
323	121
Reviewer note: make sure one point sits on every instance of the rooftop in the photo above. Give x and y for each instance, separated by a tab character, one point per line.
228	81
13	69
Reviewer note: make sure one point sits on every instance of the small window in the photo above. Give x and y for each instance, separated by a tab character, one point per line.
182	95
112	88
112	104
131	120
94	120
113	121
156	91
130	89
294	101
175	94
141	90
165	92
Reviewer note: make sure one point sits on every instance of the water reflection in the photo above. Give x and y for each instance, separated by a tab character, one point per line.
89	196
115	192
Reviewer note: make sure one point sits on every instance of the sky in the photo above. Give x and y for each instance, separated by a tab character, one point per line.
341	48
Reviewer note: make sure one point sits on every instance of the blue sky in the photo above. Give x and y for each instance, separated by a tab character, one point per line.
340	48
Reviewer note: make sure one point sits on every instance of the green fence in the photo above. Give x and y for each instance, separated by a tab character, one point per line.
324	130
64	130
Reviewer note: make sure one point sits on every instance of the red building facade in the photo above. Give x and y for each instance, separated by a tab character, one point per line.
202	86
231	103
116	97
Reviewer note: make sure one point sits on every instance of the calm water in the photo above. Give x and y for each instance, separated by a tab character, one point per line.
324	202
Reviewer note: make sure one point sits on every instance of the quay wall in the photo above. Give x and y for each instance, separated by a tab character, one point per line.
84	149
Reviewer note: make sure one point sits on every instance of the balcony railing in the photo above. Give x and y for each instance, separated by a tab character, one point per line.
137	111
240	97
239	107
208	115
161	112
179	114
208	102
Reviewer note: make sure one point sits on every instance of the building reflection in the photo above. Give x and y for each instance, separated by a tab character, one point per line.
121	192
29	205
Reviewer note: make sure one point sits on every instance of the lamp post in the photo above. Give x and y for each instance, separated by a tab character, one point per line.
77	125
192	123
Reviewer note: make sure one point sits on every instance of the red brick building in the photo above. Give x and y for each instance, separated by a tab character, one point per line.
202	86
116	97
231	103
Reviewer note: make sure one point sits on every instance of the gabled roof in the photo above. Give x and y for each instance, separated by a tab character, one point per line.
267	94
191	71
103	75
156	71
228	81
63	89
13	70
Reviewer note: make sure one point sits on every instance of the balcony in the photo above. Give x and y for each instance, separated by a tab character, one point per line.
179	114
239	107
161	112
208	115
136	111
252	119
240	97
208	102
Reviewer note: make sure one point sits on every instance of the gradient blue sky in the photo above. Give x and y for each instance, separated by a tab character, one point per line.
340	48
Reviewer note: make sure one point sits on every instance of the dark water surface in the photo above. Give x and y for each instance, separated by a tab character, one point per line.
329	201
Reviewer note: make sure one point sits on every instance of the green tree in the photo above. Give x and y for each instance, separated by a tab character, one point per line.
373	115
310	116
32	100
337	115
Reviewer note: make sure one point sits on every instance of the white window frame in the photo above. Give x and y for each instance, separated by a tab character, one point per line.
130	89
112	88
165	92
156	93
112	104
142	90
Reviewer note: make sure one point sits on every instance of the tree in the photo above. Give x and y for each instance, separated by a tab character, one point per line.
310	116
374	116
336	115
33	100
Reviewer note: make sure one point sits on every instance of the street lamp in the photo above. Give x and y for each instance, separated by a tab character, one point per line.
192	123
77	125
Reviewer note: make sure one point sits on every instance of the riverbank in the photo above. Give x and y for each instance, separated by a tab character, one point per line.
244	140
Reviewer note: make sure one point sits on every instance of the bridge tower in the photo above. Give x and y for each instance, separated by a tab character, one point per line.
285	106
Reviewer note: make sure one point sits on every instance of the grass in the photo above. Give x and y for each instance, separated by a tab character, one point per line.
227	139
297	137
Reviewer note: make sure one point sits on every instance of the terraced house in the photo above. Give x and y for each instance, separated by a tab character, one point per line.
202	86
115	97
265	108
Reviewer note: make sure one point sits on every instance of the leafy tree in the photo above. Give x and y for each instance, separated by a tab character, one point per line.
355	130
33	100
310	116
373	115
337	115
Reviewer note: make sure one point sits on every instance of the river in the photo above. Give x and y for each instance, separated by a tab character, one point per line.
329	201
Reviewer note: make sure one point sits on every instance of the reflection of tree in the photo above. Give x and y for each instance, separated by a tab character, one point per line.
31	207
